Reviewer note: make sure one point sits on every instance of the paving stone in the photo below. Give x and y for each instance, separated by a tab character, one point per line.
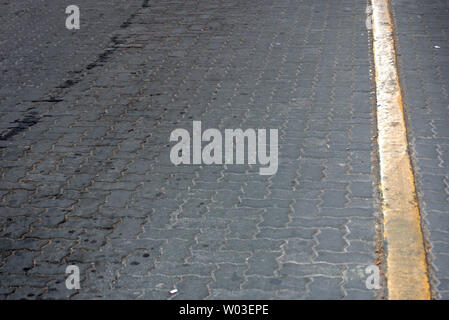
331	240
323	288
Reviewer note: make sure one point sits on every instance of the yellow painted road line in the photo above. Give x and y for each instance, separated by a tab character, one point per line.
406	267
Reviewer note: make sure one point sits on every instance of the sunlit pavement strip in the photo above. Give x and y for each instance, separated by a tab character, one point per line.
406	259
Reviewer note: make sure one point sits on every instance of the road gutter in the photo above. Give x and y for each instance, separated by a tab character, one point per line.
406	266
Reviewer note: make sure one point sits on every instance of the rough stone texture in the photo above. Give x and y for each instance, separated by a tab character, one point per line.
86	177
40	57
422	31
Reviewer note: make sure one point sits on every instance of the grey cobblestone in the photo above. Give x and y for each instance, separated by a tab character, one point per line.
87	179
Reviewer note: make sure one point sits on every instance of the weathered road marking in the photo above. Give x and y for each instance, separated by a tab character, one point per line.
407	276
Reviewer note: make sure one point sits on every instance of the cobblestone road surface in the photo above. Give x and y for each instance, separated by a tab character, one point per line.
39	58
422	30
86	177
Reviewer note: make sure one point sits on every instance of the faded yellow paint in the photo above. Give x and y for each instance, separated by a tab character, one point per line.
406	267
